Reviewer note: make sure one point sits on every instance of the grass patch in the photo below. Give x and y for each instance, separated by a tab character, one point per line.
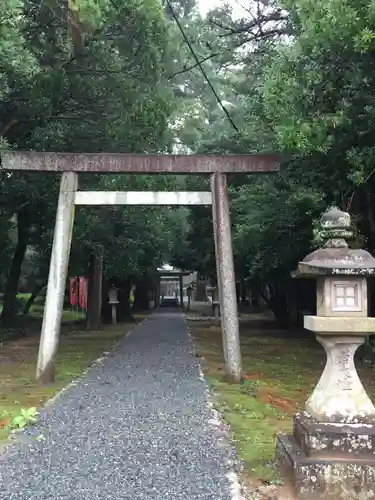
37	310
77	350
279	375
24	296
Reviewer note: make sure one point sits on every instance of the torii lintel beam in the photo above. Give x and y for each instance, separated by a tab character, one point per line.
133	163
179	198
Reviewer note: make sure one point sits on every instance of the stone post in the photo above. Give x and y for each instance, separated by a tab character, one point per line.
189	294
182	292
157	294
331	454
215	303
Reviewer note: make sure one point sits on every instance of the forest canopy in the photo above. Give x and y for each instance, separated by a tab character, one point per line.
149	77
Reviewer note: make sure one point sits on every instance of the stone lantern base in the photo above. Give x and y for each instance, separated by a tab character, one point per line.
328	461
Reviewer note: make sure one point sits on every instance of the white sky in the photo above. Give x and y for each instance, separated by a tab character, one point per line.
238	6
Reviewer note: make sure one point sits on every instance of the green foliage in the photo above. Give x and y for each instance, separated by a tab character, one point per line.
103	91
91	13
308	94
26	417
17	61
295	77
250	387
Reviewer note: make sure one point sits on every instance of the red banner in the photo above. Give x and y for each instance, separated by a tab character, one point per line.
83	292
73	291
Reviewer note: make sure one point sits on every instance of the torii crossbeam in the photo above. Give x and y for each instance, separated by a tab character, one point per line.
138	164
70	164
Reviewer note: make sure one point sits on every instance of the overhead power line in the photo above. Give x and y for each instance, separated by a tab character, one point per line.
200	66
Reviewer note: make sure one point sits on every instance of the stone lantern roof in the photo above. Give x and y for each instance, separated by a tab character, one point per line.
335	258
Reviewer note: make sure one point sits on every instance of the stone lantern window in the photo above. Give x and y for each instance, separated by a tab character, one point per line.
346	296
342	295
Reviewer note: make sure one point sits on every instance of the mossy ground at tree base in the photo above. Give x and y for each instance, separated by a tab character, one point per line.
280	373
78	349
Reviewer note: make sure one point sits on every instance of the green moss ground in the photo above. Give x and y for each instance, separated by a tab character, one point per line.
279	375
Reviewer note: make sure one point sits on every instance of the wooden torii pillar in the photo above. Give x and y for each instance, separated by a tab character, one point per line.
70	164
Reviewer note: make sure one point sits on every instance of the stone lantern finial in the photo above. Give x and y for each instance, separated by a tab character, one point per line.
336	228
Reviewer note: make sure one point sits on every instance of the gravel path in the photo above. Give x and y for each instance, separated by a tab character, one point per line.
135	427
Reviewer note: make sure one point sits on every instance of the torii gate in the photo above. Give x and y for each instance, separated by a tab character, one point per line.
70	164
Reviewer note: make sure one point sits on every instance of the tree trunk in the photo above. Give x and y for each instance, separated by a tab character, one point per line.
238	292
94	300
10	296
244	299
370	217
371	243
32	298
124	308
278	303
201	291
141	295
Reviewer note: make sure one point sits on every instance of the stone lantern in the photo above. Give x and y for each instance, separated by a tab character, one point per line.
113	301
331	454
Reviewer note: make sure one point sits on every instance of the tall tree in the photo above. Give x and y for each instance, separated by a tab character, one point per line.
109	94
